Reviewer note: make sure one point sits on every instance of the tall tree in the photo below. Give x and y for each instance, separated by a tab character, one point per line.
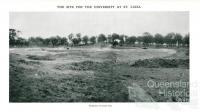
78	35
169	39
101	38
158	39
13	35
131	40
121	38
79	40
186	40
147	38
93	39
21	42
64	41
139	39
70	37
178	39
85	39
115	36
36	41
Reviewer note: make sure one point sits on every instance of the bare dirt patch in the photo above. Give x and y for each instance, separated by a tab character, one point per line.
36	57
162	63
84	74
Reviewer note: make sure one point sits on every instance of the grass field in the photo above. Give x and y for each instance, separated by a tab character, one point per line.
95	74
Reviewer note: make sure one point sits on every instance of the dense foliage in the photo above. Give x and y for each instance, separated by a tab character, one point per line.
147	39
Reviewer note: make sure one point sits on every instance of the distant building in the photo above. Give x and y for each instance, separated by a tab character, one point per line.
117	40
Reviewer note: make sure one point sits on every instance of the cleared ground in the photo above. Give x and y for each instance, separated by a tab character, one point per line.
90	74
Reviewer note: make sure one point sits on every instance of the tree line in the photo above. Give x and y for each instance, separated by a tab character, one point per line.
146	39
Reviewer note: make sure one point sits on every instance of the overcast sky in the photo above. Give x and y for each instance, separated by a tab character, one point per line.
46	24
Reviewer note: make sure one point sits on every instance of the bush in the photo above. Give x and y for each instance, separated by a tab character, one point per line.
162	63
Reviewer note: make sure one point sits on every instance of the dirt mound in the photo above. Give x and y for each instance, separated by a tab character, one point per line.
162	63
36	57
28	62
83	66
17	59
86	65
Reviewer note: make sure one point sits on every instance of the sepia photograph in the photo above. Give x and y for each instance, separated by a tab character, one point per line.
129	56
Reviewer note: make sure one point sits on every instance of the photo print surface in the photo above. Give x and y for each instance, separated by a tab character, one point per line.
99	56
